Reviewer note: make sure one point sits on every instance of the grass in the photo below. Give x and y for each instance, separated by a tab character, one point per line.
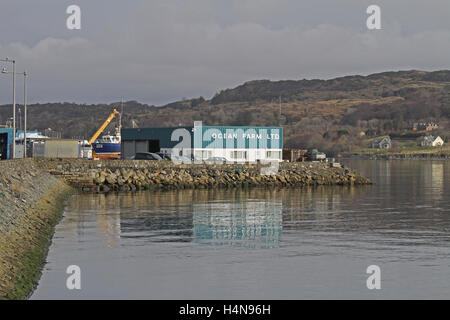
33	252
407	149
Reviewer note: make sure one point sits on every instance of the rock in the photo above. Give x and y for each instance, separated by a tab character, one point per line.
156	174
111	179
17	188
100	180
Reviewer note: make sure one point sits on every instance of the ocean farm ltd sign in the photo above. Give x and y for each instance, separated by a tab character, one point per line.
234	135
237	137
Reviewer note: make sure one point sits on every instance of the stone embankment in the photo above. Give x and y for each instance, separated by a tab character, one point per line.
30	206
126	175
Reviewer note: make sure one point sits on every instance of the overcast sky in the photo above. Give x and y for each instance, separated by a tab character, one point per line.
158	51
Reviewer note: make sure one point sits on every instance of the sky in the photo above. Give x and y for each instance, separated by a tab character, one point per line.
160	51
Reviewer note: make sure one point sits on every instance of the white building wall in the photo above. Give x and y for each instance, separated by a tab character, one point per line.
438	142
232	155
240	155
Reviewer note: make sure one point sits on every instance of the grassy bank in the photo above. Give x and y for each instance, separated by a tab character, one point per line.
406	151
31	205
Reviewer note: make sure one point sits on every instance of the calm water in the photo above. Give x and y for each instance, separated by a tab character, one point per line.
261	243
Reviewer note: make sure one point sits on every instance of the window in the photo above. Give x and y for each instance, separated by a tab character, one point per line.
238	154
273	155
203	154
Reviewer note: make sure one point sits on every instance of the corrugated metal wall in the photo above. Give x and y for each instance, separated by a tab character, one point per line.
38	149
164	135
62	149
127	149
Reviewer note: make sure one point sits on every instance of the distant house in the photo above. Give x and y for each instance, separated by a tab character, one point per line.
315	155
382	143
430	126
431	141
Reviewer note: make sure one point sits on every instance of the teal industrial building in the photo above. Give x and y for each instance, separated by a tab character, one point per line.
6	140
239	144
6	143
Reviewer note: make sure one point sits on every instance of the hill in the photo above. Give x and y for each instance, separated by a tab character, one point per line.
335	115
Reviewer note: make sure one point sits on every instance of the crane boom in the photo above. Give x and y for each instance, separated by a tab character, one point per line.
104	125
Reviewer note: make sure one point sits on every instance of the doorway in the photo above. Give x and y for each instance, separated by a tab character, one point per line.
3	146
153	146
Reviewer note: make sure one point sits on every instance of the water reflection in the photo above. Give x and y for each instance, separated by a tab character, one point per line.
261	243
248	217
411	194
105	219
437	181
248	224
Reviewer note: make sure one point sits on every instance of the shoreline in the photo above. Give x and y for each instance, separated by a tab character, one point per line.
31	205
422	157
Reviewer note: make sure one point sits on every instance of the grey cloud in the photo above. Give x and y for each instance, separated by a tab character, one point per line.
166	50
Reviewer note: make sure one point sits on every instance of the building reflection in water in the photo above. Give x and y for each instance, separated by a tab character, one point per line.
427	185
247	224
238	217
219	217
437	181
99	212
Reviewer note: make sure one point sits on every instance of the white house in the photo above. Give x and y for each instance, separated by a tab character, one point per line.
382	143
430	141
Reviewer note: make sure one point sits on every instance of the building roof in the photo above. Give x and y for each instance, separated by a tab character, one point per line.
381	139
430	138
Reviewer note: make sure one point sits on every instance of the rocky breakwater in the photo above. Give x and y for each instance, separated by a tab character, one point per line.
30	206
127	175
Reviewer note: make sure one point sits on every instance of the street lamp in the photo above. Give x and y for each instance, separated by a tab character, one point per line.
14	100
25	74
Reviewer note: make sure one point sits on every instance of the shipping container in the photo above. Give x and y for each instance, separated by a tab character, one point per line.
60	148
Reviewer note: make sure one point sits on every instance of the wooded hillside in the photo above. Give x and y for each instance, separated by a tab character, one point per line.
334	115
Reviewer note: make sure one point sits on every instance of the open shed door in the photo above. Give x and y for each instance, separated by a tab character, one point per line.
3	146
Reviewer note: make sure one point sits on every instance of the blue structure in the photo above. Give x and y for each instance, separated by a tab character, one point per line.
248	144
6	141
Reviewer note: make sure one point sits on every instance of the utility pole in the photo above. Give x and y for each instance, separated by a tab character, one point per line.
19	126
279	117
14	102
20	111
25	116
14	109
